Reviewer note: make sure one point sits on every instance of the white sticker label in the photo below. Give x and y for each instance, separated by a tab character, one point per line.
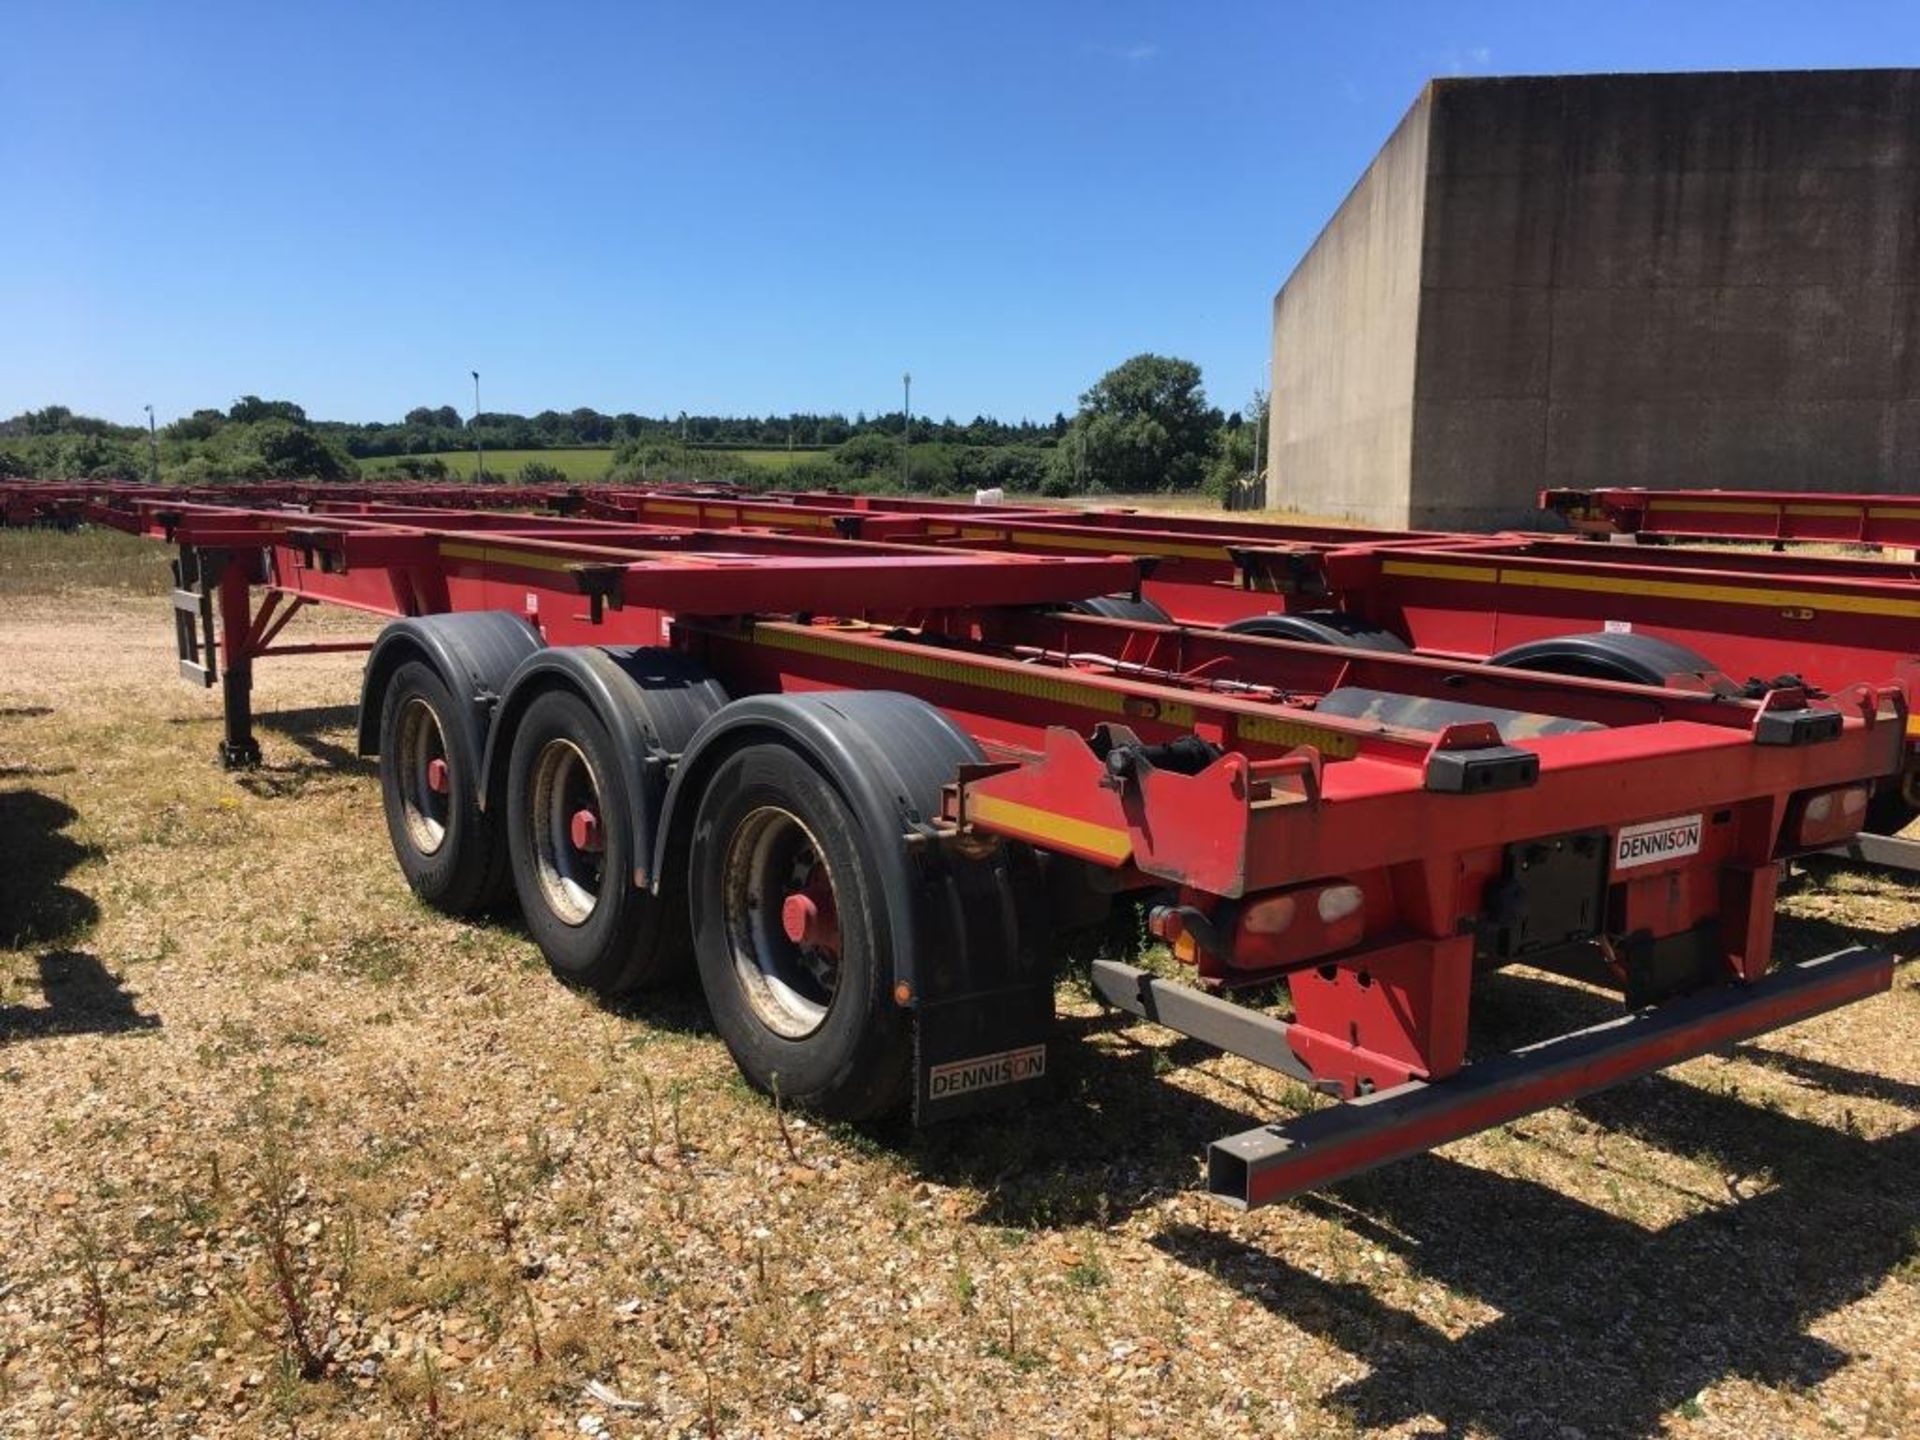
984	1072
1657	840
1619	627
533	602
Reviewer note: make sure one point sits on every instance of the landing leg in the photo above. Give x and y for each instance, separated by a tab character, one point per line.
238	749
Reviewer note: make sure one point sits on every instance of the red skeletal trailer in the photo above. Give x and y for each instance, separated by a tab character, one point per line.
861	780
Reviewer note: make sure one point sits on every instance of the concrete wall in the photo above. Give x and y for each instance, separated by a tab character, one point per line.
1672	280
1343	346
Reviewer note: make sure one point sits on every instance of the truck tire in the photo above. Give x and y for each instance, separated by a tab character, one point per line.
450	851
1321	627
1122	607
793	937
570	834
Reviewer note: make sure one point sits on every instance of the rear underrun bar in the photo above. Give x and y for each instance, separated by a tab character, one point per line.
1275	1161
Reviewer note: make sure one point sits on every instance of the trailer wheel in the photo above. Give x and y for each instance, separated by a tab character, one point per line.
450	852
792	936
570	835
1320	627
1606	655
1122	607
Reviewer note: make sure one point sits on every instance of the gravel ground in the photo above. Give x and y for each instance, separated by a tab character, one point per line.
283	1153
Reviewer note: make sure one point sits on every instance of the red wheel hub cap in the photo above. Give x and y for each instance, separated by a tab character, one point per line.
583	828
437	780
807	916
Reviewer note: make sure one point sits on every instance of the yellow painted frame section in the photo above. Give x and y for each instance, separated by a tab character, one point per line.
494	555
1666	589
1069	831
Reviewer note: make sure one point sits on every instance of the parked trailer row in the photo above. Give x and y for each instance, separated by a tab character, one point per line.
861	782
1714	618
1722	620
1797	517
62	503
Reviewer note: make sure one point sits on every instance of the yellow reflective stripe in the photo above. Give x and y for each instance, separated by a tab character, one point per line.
1426	570
1718	507
1720	594
1111	545
1109	844
492	555
1032	684
669	507
1665	589
1271	730
785	517
1769	507
1895	512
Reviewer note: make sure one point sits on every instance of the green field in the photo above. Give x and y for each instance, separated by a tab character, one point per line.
579	464
583	464
771	459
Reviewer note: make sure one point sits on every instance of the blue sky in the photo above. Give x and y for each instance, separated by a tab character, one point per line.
723	207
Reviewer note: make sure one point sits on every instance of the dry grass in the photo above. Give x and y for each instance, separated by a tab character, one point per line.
282	1153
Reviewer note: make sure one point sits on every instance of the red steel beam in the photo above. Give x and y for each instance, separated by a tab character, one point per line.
1782	516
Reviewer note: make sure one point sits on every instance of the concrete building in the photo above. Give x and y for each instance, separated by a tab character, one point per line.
1663	280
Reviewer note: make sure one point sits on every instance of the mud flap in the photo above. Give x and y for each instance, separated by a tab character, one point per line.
985	1009
982	1051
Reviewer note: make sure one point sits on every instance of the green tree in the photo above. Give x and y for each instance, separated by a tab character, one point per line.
1237	459
1144	426
200	425
287	451
865	456
251	409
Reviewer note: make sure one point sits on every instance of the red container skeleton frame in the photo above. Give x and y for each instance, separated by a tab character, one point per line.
1829	622
1371	830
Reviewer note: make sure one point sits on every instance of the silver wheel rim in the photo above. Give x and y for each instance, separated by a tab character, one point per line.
570	877
789	986
424	811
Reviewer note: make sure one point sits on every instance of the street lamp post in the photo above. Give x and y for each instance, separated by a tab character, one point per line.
906	424
1260	423
479	453
153	449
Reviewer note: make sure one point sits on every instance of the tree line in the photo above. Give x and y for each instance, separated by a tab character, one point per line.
427	431
1145	426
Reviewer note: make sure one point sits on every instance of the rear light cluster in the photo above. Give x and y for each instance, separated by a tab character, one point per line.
1271	930
1822	817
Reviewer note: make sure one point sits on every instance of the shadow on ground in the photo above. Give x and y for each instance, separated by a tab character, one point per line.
82	998
310	729
36	907
1605	1326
